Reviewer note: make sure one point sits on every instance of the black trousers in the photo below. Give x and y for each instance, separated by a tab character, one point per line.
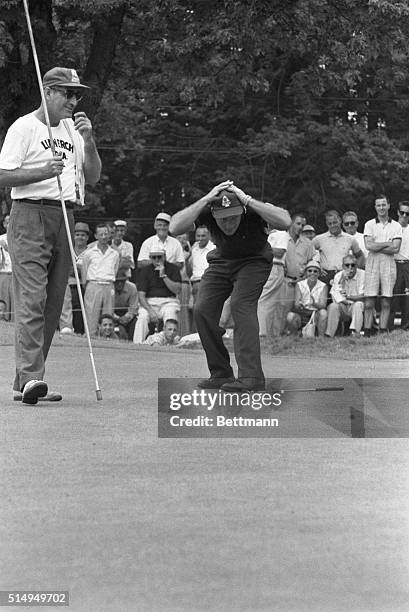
243	279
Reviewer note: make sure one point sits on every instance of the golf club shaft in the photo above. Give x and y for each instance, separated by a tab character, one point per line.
64	209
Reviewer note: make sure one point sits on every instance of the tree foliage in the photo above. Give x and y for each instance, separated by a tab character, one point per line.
302	102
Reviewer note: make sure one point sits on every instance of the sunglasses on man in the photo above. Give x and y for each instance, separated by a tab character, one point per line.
69	93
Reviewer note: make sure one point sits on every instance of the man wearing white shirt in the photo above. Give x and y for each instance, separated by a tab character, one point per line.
347	294
197	262
270	312
350	225
401	288
124	248
383	237
161	240
100	264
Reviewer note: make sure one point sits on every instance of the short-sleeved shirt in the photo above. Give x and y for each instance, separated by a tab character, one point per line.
403	254
172	246
382	232
249	240
199	259
152	285
99	266
27	146
278	239
332	249
298	254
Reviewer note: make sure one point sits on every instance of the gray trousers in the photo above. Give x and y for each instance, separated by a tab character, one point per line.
40	259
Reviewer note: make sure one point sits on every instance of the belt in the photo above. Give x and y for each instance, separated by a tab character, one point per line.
402	261
293	278
196	280
44	202
101	282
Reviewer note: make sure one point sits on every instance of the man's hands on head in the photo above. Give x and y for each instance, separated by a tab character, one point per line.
213	193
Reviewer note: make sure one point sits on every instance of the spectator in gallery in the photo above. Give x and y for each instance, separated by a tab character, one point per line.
126	304
185	316
3	311
71	319
310	297
158	287
309	232
161	240
350	224
333	245
400	300
167	337
6	293
347	294
197	263
106	327
124	248
100	265
383	237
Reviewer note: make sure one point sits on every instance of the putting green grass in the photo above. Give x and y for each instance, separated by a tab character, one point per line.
93	502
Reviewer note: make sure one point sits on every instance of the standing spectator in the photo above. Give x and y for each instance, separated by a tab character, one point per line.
300	251
100	265
3	311
185	291
106	327
6	292
310	297
238	267
124	248
350	224
158	286
197	263
347	298
401	288
71	319
309	232
126	304
167	337
333	245
383	237
161	240
270	308
37	239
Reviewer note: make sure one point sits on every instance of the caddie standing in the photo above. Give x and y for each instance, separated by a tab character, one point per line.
37	237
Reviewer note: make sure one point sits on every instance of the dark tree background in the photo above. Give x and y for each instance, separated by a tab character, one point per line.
303	103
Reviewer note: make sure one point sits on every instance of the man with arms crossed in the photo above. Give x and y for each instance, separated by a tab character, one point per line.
383	237
239	266
37	238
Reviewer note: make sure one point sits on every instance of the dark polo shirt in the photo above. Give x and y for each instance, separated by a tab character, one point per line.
154	286
249	240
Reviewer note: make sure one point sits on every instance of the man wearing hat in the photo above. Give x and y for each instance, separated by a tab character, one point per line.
162	240
71	319
126	304
310	298
238	267
37	237
308	231
124	248
158	286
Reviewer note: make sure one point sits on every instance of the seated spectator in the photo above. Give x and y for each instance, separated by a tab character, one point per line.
167	337
158	285
161	240
100	265
308	231
348	298
126	304
106	327
310	297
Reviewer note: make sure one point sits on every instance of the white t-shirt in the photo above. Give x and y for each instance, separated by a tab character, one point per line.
27	146
172	246
199	259
279	239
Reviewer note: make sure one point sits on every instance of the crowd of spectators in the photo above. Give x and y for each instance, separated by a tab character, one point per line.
327	284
